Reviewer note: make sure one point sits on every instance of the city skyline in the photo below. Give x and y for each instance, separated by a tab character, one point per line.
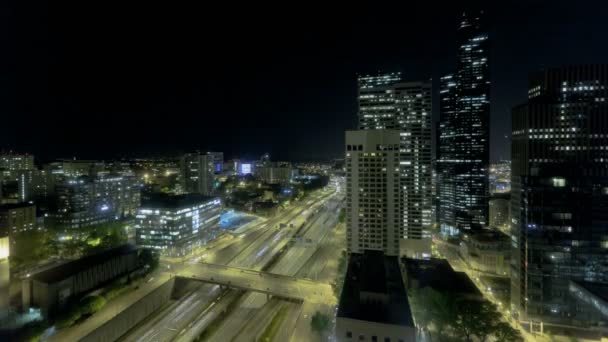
298	81
371	172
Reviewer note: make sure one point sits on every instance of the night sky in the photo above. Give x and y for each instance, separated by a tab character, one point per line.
93	79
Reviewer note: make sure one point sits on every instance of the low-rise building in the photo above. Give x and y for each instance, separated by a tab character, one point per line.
17	218
373	304
174	224
52	289
487	252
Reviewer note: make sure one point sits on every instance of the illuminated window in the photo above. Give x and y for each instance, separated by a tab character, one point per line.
558	182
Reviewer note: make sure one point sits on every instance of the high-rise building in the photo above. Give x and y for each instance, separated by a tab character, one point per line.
499	212
86	201
373	304
388	102
413	107
197	173
15	162
559	195
176	224
463	152
373	194
218	161
377	101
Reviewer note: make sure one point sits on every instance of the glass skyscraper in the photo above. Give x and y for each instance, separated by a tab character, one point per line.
463	152
559	196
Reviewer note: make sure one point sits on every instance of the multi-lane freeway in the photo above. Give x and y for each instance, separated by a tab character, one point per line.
245	254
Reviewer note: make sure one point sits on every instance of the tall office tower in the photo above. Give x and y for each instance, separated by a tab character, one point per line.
373	196
377	101
16	162
373	304
218	161
413	108
197	173
559	197
464	131
445	151
387	102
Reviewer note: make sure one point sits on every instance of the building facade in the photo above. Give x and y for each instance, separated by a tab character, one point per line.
275	173
52	289
463	151
196	173
373	196
176	224
16	162
388	102
559	196
86	201
488	252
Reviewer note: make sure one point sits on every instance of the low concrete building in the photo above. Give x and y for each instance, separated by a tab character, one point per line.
374	305
487	252
52	289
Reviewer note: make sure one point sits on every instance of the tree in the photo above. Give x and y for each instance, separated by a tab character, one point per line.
505	333
68	318
91	304
150	258
475	318
319	322
342	216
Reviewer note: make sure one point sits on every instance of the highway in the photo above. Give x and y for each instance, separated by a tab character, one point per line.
254	306
252	249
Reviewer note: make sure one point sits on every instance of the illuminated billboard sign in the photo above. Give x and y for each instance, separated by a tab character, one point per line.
245	169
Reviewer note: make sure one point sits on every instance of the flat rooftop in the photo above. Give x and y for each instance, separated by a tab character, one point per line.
439	275
63	271
373	290
166	201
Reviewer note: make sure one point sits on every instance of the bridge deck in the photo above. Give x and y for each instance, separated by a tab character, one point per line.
269	283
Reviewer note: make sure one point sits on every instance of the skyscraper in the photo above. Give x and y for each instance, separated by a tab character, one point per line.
559	196
373	303
388	102
463	153
377	101
373	196
197	173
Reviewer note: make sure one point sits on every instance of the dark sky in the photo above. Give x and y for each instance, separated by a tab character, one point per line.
97	80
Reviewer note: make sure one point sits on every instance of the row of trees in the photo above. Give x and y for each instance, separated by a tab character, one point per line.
35	246
459	318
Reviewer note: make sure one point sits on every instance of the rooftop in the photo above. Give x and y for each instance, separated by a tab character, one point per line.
10	206
63	271
166	201
439	275
374	291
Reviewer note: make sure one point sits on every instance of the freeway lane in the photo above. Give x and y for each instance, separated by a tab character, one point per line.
241	249
176	317
254	306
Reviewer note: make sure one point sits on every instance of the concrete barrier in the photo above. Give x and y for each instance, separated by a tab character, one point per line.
120	324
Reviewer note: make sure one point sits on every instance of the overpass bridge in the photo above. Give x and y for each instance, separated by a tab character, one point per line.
271	284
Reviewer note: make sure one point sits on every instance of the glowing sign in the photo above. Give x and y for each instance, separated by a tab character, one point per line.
245	169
